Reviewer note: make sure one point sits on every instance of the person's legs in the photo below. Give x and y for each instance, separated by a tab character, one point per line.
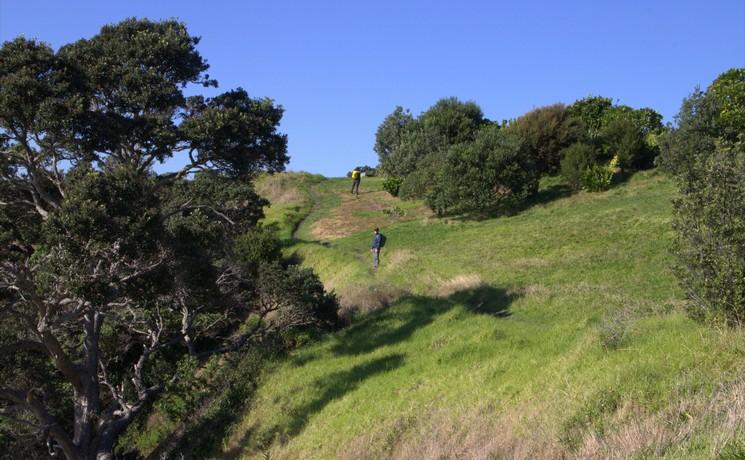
356	187
376	258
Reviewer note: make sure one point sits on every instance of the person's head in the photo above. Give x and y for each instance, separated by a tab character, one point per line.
377	230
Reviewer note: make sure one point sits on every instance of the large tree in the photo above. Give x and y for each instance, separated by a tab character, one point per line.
706	154
403	141
390	135
111	272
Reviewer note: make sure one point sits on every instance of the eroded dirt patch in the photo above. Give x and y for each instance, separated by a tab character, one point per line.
357	213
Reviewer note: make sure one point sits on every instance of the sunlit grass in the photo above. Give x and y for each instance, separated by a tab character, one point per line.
499	341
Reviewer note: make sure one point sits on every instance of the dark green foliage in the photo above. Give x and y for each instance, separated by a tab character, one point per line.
619	130
694	136
428	173
592	111
112	274
546	131
729	91
708	216
259	244
297	297
710	242
392	185
631	134
621	137
234	133
453	121
575	160
204	404
402	141
390	135
491	172
417	145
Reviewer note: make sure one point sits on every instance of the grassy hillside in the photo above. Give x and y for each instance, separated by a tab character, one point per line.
556	332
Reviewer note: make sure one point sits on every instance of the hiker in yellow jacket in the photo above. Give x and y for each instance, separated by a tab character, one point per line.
356	176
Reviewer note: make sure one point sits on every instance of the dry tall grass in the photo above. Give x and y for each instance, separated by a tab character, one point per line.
524	432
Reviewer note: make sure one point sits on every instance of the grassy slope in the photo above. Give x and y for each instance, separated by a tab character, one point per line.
557	331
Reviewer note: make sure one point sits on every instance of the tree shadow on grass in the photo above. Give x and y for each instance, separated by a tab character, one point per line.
392	326
325	390
385	327
485	300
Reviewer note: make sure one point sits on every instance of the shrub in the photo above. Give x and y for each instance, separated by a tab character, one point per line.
392	185
402	141
491	172
259	244
428	172
575	160
622	139
709	164
295	299
710	240
597	178
545	132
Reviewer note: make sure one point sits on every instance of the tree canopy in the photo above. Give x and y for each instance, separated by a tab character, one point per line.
705	152
546	131
110	272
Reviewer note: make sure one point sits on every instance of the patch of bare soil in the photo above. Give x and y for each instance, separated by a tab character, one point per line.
363	212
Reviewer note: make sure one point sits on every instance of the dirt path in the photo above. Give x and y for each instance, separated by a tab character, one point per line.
372	208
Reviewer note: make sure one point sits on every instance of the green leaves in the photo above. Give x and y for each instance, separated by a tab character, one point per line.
545	132
490	172
116	271
729	91
402	141
707	157
236	134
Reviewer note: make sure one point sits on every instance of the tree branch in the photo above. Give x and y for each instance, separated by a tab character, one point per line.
29	401
193	208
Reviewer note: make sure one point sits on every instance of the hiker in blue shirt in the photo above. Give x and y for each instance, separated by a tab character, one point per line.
378	242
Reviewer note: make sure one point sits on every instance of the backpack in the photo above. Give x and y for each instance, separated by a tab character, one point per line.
355	174
382	240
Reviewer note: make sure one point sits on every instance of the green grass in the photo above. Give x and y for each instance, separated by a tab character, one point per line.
497	340
290	198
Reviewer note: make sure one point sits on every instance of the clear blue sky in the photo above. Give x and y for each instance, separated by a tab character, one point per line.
339	68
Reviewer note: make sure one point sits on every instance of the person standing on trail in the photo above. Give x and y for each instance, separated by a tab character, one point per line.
356	176
378	242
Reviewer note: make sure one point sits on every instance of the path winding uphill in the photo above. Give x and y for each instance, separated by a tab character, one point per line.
339	213
555	333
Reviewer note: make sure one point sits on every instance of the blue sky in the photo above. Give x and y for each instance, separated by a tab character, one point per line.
338	68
